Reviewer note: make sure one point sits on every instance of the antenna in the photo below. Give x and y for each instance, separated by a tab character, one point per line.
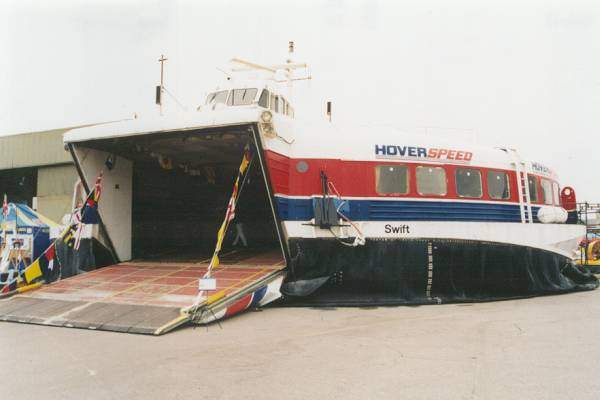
161	88
225	73
288	67
289	62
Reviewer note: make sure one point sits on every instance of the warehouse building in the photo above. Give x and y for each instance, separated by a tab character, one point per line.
36	169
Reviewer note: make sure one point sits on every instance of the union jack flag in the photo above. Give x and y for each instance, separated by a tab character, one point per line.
89	212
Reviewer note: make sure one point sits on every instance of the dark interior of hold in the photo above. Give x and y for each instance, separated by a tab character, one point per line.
182	183
19	185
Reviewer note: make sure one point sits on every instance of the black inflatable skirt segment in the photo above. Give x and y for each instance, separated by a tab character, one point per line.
402	271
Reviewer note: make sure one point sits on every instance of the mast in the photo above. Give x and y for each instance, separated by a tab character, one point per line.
289	72
160	89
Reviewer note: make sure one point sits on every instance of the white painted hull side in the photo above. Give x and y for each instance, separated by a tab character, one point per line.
562	239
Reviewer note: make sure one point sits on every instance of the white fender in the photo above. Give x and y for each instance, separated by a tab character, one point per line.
552	215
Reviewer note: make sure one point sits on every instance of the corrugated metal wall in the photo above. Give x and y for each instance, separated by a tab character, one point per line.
33	149
55	190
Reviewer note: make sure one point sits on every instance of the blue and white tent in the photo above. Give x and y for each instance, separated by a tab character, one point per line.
25	229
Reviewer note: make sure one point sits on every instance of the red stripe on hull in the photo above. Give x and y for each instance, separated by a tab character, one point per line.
239	306
357	178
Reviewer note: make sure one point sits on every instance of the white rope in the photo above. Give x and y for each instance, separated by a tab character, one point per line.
359	239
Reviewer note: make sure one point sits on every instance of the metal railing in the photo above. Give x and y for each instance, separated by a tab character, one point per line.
588	214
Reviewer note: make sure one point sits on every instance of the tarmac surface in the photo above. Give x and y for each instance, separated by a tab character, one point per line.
538	348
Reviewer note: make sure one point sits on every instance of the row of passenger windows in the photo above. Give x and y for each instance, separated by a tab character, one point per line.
550	192
394	179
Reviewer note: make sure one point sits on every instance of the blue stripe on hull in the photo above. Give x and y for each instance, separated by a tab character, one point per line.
291	209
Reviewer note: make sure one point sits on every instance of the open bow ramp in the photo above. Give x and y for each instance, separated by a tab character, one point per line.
144	297
165	194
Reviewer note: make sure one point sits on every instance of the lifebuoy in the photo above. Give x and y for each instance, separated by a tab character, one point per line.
593	250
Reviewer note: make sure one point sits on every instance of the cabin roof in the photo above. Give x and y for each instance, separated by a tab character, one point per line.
168	123
310	139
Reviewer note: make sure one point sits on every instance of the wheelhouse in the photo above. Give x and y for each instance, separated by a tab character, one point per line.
263	98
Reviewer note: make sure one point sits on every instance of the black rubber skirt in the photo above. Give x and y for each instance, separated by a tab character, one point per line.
389	272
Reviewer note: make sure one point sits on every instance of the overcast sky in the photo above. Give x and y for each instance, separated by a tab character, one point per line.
523	74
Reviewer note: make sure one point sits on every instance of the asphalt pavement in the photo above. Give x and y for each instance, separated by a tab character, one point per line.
538	348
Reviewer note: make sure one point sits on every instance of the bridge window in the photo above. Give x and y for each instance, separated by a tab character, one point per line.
263	101
274	103
547	191
392	179
533	189
217	97
468	182
431	181
498	186
242	97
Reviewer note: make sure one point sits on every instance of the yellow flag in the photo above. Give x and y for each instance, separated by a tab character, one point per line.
229	215
33	271
244	165
215	261
220	237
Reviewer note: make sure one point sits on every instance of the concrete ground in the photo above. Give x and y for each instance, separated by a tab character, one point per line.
539	348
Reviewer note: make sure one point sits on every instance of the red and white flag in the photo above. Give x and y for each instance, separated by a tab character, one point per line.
230	213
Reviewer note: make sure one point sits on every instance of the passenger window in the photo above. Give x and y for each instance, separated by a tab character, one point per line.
431	180
392	179
533	192
547	191
468	182
556	193
263	101
498	185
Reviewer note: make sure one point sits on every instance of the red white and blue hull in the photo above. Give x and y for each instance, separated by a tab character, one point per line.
417	249
413	248
260	297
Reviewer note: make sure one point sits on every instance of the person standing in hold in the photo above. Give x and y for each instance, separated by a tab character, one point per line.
241	217
239	235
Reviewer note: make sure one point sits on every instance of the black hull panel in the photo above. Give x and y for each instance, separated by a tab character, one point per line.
424	271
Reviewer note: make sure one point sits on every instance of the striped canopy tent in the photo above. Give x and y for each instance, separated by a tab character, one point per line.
22	221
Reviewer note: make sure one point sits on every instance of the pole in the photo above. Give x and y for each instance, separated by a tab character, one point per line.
4	228
86	187
289	61
161	60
